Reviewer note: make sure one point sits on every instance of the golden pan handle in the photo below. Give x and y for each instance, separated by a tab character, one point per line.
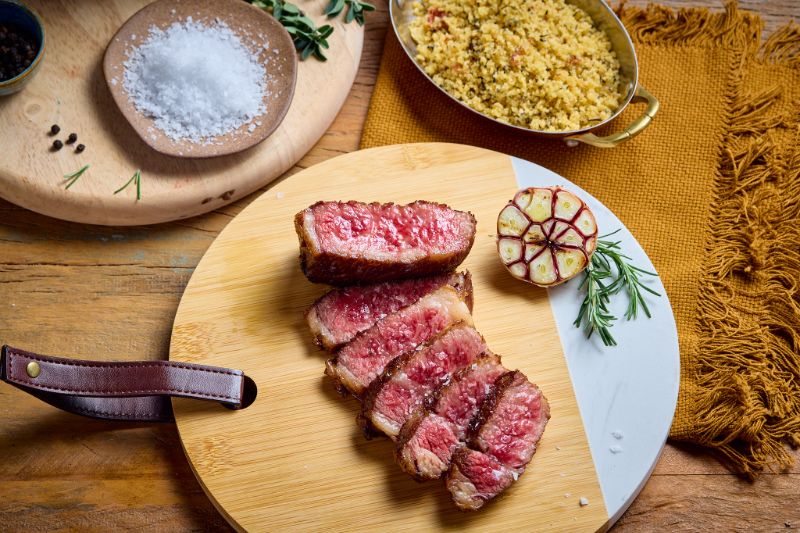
610	141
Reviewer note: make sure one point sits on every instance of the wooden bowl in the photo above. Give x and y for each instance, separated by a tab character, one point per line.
257	30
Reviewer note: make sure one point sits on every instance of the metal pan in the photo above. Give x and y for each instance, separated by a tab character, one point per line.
402	15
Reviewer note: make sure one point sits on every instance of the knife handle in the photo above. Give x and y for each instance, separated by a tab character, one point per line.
132	391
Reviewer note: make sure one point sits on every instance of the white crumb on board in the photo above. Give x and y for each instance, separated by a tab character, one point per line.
584	501
617	435
616	449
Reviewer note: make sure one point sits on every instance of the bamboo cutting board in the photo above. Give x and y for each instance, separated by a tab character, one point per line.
295	460
70	90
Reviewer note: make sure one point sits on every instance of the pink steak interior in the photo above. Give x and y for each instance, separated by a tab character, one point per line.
354	309
368	355
370	228
515	426
427	369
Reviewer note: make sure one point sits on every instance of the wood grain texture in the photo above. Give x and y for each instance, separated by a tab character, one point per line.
70	90
111	293
244	309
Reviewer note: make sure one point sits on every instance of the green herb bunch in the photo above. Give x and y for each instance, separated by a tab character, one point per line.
355	10
308	38
609	273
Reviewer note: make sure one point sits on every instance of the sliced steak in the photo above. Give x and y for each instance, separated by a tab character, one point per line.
357	364
410	378
428	439
475	478
506	431
511	421
338	316
352	242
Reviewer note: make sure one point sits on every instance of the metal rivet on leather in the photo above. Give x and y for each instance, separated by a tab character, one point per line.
33	369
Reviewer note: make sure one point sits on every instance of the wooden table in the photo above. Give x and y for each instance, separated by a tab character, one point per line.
111	293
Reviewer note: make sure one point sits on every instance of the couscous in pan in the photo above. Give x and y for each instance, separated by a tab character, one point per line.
553	68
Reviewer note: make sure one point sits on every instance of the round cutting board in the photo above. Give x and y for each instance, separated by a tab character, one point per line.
70	90
296	461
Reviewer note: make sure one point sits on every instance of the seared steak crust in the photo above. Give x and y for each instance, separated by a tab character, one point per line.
503	438
511	421
475	478
445	419
345	243
410	378
361	361
341	314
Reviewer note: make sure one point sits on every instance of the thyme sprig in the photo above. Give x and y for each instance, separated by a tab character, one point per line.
308	38
74	176
609	263
136	179
355	10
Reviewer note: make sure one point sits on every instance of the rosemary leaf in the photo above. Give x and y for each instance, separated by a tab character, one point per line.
610	264
136	179
74	176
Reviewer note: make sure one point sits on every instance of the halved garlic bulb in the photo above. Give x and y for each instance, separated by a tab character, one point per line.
546	235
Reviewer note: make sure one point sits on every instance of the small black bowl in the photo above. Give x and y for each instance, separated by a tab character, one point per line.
15	14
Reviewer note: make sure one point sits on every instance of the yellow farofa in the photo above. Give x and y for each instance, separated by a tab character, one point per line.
539	64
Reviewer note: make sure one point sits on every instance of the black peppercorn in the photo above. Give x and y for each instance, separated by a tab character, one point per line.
54	129
57	145
72	138
80	148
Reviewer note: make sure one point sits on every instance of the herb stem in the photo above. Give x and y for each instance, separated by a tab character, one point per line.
609	263
137	180
74	176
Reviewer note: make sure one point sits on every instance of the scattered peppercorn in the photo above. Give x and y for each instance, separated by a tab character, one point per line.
80	148
57	145
54	129
18	48
72	138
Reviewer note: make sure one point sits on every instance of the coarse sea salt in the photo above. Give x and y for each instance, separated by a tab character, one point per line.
196	81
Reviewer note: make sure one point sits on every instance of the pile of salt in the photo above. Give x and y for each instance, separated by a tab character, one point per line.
196	81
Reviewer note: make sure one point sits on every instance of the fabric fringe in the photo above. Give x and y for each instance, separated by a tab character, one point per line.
745	376
662	25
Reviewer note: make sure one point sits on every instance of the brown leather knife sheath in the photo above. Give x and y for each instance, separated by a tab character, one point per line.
133	391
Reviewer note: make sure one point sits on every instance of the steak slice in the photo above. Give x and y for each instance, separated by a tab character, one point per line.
511	421
475	478
338	316
429	438
410	378
507	431
352	242
357	364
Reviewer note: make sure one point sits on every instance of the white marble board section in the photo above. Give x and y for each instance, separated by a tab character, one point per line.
626	393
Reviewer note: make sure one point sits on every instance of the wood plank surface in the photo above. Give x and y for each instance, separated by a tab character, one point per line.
111	293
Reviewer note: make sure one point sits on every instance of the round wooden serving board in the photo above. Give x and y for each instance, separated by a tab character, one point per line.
70	91
296	461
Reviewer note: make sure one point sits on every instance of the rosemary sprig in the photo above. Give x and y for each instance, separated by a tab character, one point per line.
608	262
308	38
137	179
355	10
74	176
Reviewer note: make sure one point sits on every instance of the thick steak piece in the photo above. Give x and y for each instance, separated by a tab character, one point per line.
338	316
507	430
410	378
428	439
344	243
475	478
359	363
